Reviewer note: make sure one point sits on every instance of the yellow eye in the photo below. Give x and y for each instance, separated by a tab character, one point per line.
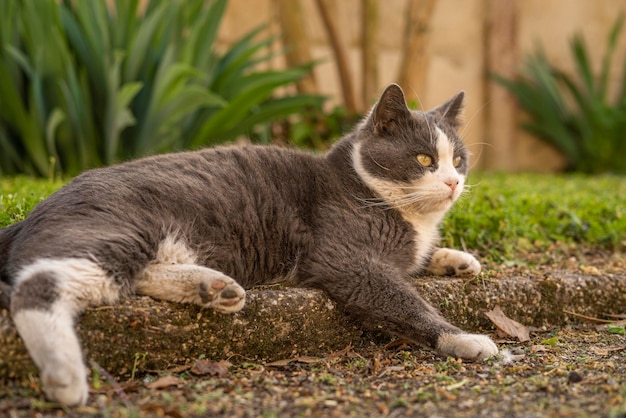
456	161
424	160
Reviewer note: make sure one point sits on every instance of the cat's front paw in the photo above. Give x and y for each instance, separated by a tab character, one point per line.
222	294
448	262
65	383
472	347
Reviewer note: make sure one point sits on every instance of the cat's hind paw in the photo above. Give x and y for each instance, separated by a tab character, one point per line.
472	347
222	294
190	283
448	262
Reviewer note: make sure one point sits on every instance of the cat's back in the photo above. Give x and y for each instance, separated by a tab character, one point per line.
227	200
171	182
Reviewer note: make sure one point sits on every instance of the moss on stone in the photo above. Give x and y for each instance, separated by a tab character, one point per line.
142	334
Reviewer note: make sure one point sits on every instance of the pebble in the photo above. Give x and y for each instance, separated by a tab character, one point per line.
574	377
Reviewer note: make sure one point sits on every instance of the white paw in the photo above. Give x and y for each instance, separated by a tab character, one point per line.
471	347
222	294
448	262
65	383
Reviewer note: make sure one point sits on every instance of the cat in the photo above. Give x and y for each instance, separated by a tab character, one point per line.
202	226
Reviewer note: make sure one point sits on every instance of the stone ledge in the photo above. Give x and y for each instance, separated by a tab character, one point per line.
279	323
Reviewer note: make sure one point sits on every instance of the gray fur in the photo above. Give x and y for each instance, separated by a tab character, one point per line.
39	293
256	214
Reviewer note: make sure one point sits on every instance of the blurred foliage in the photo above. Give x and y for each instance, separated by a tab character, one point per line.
84	85
576	113
313	129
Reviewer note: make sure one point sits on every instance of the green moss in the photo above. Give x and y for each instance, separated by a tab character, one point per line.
505	216
19	195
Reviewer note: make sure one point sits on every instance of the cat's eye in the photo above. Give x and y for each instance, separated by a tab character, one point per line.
456	161
424	160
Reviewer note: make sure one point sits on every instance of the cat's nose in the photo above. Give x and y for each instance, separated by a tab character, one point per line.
452	184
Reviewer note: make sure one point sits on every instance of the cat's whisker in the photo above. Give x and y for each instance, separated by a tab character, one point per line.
469	121
417	97
373	202
409	200
430	131
376	162
483	144
471	185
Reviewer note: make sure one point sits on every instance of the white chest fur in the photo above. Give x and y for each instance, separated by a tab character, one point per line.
426	228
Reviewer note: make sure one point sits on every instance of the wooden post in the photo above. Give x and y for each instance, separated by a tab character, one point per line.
501	109
295	40
369	47
339	51
414	64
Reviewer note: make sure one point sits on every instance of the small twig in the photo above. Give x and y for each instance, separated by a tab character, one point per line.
616	316
116	386
103	308
589	318
463	245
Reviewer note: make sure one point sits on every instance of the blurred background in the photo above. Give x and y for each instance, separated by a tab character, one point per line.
84	84
434	48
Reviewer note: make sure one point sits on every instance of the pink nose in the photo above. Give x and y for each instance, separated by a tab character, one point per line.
452	184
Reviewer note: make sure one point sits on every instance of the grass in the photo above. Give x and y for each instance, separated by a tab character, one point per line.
19	195
502	216
506	216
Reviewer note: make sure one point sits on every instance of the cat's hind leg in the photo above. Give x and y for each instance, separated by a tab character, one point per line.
48	295
191	283
449	262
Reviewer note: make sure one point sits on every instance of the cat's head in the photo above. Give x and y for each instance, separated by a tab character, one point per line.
416	161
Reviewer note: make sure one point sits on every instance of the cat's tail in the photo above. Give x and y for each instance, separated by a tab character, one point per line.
7	235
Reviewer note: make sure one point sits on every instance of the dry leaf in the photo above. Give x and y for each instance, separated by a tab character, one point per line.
212	368
507	325
164	382
606	351
173	370
391	369
591	270
341	353
179	369
400	344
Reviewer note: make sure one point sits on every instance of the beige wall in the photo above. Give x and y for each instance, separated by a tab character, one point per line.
457	56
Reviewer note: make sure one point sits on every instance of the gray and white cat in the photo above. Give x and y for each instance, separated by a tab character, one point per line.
200	227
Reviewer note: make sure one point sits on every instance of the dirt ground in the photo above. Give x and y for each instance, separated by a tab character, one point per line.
573	370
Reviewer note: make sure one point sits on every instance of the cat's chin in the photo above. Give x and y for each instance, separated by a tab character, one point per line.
434	206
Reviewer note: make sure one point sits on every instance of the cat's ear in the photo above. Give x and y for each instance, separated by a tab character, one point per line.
452	110
389	111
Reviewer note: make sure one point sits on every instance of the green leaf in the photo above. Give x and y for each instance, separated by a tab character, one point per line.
84	83
574	112
274	110
139	45
616	329
550	341
56	118
258	87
